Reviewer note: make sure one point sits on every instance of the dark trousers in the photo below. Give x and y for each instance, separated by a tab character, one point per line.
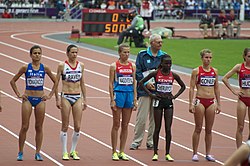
137	36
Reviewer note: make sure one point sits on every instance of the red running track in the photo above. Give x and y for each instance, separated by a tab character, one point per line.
94	146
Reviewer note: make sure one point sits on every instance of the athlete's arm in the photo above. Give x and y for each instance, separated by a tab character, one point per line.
191	89
217	92
15	78
83	88
238	156
135	88
226	77
53	78
144	80
111	85
181	83
58	76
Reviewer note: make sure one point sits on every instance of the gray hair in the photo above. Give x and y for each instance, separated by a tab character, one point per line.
154	37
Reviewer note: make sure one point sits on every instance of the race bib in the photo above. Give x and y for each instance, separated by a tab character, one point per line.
125	80
245	83
164	88
206	81
73	77
33	81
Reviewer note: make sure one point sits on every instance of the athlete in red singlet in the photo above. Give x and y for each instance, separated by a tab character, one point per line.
243	71
203	105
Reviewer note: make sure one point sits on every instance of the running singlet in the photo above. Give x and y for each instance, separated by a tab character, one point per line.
34	78
244	77
124	77
164	83
71	74
206	78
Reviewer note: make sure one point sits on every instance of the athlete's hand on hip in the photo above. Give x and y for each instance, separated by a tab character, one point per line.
24	97
150	86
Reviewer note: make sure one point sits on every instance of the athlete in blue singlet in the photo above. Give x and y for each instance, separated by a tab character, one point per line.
33	96
123	98
73	97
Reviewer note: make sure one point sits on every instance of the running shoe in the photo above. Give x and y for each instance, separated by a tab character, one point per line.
195	158
65	156
115	156
155	157
210	158
74	155
20	156
123	156
169	158
38	157
133	147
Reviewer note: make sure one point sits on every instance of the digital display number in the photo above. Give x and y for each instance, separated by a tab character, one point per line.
104	21
116	27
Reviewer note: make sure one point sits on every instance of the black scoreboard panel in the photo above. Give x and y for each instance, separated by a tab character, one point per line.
104	21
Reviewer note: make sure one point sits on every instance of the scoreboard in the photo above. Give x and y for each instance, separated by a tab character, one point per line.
104	20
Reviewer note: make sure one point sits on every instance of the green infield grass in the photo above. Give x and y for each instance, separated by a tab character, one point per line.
185	52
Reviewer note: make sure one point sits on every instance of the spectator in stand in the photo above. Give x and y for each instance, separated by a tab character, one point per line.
146	12
190	4
111	4
233	23
221	22
206	22
60	8
6	14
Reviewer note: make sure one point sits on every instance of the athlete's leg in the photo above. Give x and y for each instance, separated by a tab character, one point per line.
65	113
39	119
158	120
168	117
209	121
198	119
26	112
115	128
241	114
126	115
77	118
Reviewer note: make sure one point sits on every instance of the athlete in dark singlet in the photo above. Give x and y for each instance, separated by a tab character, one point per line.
162	101
73	97
33	96
202	104
243	71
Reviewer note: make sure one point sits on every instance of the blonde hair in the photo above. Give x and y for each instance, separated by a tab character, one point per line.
204	51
